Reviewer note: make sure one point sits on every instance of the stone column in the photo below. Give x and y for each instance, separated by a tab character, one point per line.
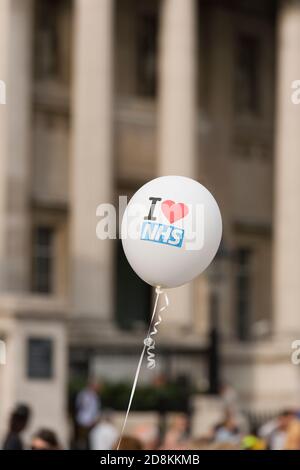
287	184
177	87
15	142
91	175
177	112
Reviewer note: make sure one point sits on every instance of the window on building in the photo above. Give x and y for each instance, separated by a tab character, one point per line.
147	53
243	293
43	259
247	75
52	40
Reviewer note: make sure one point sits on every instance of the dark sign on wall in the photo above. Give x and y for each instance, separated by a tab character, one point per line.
39	358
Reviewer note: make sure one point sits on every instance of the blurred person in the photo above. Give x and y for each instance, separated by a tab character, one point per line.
129	443
87	413
160	383
45	439
148	434
18	422
228	430
200	443
231	405
229	398
104	435
274	432
223	446
292	441
177	435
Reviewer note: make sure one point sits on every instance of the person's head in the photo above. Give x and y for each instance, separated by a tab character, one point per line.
147	434
223	387
180	422
107	416
45	439
201	443
285	418
230	423
19	418
94	385
160	381
130	443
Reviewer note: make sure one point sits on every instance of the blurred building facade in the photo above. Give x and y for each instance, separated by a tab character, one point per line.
103	95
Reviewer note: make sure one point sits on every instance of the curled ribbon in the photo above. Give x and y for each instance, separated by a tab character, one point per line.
149	343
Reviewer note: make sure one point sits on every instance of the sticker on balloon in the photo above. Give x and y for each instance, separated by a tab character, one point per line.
164	233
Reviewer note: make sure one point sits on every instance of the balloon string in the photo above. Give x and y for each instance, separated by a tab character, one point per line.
158	292
149	342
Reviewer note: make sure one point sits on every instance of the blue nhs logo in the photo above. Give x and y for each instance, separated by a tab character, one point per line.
161	233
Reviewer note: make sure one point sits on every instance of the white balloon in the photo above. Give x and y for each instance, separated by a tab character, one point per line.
171	230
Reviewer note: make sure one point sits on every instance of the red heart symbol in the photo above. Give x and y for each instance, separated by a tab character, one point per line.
174	211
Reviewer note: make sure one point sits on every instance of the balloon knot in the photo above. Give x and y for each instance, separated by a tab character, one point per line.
158	290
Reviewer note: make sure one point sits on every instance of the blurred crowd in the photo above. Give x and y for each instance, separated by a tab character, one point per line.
94	429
